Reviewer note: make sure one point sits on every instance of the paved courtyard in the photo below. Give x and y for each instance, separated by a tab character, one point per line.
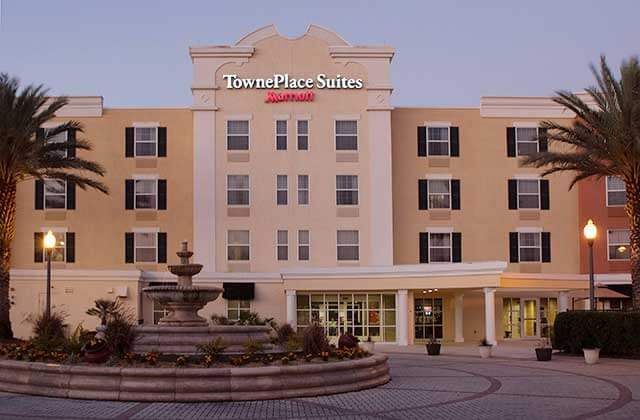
450	386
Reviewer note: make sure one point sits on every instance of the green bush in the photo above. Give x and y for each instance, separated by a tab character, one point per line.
48	330
615	333
314	340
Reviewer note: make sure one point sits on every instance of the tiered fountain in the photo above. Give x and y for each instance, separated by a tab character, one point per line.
182	329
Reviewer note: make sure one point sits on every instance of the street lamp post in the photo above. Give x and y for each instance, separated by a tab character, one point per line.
49	244
590	232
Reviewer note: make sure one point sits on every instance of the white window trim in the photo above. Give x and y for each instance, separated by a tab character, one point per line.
537	143
278	189
278	244
135	193
308	245
437	124
338	245
610	244
135	245
518	193
606	192
57	229
228	245
308	120
44	194
226	132
450	233
429	193
226	307
335	133
286	133
530	230
248	189
357	190
135	138
308	190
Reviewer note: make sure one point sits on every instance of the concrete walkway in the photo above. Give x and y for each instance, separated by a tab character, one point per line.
451	386
517	349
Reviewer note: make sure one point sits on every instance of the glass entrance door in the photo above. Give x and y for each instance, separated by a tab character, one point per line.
530	318
428	318
511	317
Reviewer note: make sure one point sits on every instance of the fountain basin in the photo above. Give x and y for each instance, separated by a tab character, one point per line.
184	302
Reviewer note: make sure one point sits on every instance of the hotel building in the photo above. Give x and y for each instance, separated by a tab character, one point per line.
309	197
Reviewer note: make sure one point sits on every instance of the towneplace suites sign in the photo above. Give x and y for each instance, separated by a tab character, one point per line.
283	81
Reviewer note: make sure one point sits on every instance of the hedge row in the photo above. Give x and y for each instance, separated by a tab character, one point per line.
615	333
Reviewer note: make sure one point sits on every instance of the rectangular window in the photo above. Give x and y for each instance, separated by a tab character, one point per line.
439	193
303	134
347	190
428	318
347	135
146	140
238	308
439	247
282	190
238	245
438	141
58	254
237	135
529	246
303	190
616	192
348	245
281	135
303	245
160	311
146	193
146	248
528	194
282	245
55	194
526	140
238	190
619	244
60	138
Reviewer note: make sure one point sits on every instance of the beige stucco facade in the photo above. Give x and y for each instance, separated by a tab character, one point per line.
378	293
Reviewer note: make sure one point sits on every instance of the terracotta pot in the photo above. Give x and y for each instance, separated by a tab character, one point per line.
485	351
591	356
98	354
543	354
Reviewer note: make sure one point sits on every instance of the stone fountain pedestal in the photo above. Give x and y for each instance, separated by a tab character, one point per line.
183	329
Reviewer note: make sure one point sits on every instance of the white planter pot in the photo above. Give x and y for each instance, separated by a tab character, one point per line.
485	351
367	345
591	356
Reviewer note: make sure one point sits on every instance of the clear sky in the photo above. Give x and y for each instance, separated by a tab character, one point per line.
448	53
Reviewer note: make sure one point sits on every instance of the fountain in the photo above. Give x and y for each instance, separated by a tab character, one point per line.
183	329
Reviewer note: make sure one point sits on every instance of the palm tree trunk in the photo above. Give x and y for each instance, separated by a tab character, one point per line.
632	209
7	233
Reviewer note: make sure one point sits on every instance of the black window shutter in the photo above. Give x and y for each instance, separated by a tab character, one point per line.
71	195
513	194
544	194
162	194
454	142
455	194
38	247
129	142
543	143
71	140
40	134
511	141
424	247
128	247
422	141
546	246
456	247
71	247
162	141
513	247
39	194
162	247
128	194
422	195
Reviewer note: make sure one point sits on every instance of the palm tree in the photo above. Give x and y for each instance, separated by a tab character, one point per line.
24	155
603	140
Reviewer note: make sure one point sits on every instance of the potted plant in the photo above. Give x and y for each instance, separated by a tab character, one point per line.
96	351
591	349
544	350
485	348
367	345
433	347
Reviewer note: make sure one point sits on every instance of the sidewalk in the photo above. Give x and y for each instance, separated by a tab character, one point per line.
521	349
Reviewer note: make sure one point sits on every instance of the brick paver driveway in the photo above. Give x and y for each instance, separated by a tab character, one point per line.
422	387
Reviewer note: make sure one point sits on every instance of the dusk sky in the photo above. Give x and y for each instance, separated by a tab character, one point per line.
448	53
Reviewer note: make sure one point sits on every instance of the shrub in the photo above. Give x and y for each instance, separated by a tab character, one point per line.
252	318
348	341
615	333
212	349
284	332
220	320
314	340
48	330
105	309
74	343
252	347
120	333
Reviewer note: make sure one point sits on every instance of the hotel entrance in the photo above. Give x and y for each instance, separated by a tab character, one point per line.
428	320
528	317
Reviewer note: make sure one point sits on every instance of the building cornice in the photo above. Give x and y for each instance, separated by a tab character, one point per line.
220	51
80	106
72	274
360	52
527	106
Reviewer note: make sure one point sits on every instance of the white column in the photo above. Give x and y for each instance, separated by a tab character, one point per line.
402	317
459	317
490	315
292	318
563	302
